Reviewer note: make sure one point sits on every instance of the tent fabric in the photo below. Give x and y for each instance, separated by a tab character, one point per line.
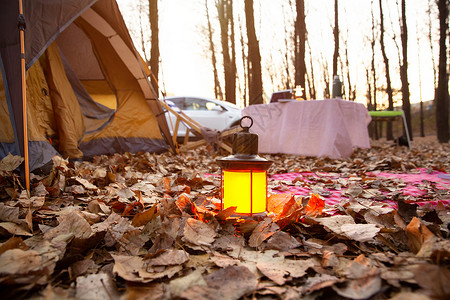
68	116
87	90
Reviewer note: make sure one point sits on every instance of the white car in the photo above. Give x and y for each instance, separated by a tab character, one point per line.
211	113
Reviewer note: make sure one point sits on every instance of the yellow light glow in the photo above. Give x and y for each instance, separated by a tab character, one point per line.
239	185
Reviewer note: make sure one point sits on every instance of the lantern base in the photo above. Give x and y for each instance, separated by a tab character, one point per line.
255	217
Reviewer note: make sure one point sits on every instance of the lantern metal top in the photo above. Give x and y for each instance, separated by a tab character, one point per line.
245	151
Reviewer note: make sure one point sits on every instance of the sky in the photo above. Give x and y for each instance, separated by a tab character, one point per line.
186	68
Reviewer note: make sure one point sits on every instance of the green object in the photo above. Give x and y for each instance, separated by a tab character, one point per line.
386	113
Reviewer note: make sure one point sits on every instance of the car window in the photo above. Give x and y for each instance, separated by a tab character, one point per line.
195	104
212	105
179	102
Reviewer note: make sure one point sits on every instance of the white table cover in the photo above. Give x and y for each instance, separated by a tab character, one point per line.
323	128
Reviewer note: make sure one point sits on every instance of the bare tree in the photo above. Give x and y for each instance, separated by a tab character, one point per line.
351	89
325	77
225	12
299	39
336	37
141	31
217	88
430	40
422	129
404	69
254	57
244	64
442	95
287	59
373	66
389	134
310	75
154	52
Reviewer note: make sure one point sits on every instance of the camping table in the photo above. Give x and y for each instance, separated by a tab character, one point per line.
323	128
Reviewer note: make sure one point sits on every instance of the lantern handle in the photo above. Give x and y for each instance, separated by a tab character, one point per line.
246	128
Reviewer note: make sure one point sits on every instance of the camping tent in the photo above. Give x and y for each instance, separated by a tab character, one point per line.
87	90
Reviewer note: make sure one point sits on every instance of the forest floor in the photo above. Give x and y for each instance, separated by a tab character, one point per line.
147	226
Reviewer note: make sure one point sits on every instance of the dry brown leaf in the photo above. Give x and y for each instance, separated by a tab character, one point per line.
12	243
20	262
96	287
71	222
14	229
168	258
335	223
154	291
278	268
231	282
179	285
199	233
10	162
263	231
434	280
360	232
9	214
281	241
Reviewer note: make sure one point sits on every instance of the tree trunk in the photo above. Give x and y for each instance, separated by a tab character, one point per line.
373	69
154	53
254	57
430	40
442	95
422	129
311	79
404	71
389	134
336	38
300	38
232	75
217	88
224	8
245	66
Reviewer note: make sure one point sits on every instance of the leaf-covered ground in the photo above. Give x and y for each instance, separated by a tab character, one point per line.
149	226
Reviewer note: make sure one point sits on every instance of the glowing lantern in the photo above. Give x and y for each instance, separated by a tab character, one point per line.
244	175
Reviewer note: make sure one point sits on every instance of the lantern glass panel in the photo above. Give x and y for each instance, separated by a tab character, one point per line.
239	185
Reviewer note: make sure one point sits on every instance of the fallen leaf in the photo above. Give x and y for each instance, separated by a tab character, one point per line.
14	229
168	258
20	262
434	280
335	223
144	217
360	232
315	206
417	234
263	231
96	287
179	285
198	233
10	162
231	282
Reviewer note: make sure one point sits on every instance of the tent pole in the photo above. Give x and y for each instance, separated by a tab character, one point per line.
24	97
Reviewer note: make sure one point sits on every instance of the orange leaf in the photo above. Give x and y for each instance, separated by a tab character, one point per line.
276	202
224	214
315	205
184	203
144	217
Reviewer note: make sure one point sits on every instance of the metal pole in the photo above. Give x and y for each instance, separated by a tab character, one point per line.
24	96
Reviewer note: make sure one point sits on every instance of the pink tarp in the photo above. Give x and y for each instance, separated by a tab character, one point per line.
421	188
